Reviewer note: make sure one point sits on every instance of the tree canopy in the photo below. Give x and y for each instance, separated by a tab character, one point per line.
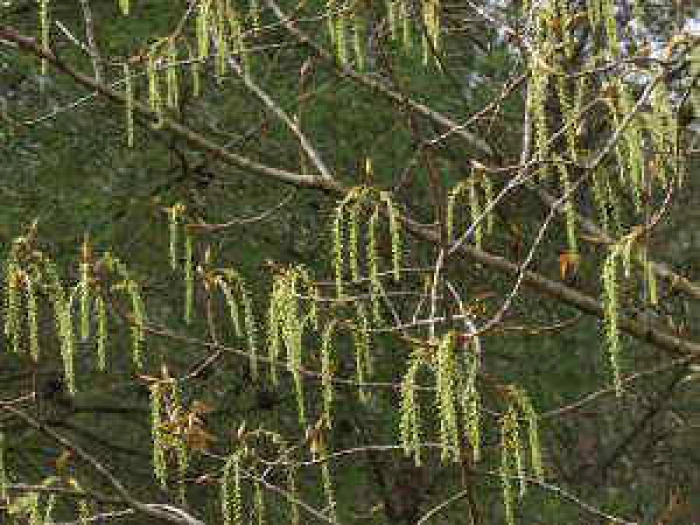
404	262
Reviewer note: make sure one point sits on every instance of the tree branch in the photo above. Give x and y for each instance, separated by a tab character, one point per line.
155	510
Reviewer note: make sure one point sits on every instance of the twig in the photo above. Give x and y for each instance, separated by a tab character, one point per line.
159	511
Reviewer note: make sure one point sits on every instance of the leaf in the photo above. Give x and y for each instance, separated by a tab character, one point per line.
200	408
198	439
568	264
62	462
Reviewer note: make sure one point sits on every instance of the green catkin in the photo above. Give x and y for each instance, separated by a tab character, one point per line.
568	113
274	340
223	51
249	323
124	7
451	202
189	276
582	89
341	44
174	216
202	26
195	71
32	320
363	358
138	310
34	510
232	306
12	305
615	207
475	211
611	311
171	76
14	324
81	506
506	471
395	234
373	262
537	101
431	19
664	131
49	508
44	33
64	322
327	482
84	291
231	497
160	468
487	186
652	284
425	47
181	452
129	106
470	398
392	7
155	100
600	195
607	10
4	478
330	20
470	185
138	322
358	40
625	250
569	208
518	457
406	27
238	42
633	146
338	249
567	36
410	420
445	390
643	258
294	364
593	11
101	308
315	296
533	433
327	371
259	503
354	240
182	464
511	462
285	324
254	15
293	489
84	512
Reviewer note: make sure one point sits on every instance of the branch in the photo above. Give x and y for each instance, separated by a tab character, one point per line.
93	49
159	511
273	106
661	270
29	45
380	87
670	343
